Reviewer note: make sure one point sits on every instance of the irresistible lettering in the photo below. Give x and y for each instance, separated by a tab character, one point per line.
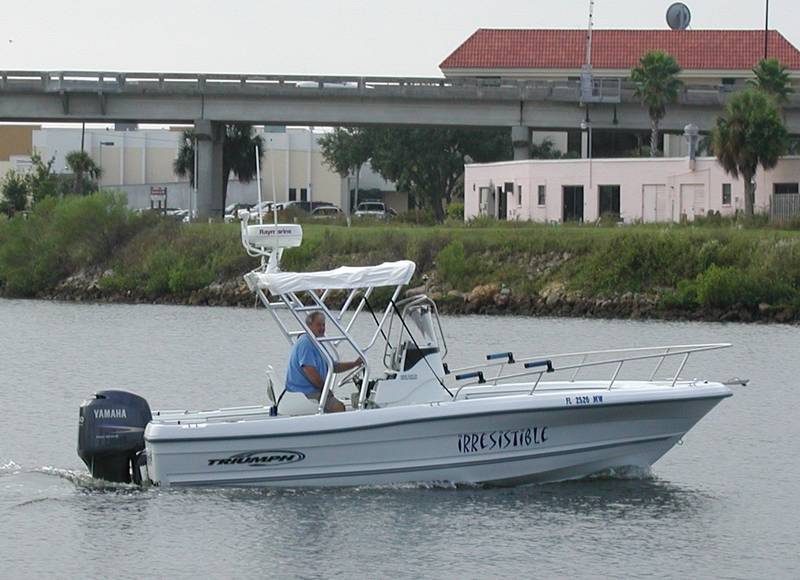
499	440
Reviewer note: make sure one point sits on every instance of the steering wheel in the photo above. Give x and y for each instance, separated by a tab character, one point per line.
353	375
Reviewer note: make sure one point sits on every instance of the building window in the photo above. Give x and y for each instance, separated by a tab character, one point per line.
575	142
780	188
726	194
519	195
609	199
303	194
541	195
292	194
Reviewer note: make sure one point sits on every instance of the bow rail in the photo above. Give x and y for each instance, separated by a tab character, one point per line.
545	364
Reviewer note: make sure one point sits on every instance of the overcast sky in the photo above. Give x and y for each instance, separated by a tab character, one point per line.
340	37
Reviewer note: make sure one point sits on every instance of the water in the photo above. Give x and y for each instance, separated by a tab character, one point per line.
725	504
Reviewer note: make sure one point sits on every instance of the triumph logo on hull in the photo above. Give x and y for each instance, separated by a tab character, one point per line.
260	458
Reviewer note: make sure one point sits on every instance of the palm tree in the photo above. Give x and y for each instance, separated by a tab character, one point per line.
748	134
772	78
238	156
82	166
657	87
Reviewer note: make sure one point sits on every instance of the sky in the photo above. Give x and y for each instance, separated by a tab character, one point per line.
344	37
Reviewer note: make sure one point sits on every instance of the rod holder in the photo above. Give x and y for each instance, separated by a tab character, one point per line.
476	375
540	363
499	355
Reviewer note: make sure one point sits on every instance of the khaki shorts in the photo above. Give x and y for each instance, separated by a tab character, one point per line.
316	396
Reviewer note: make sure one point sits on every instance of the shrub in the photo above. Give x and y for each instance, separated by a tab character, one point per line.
609	219
419	217
451	264
15	193
684	296
62	236
721	286
455	211
637	262
117	282
483	221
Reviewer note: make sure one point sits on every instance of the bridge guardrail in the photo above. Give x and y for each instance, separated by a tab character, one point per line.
504	88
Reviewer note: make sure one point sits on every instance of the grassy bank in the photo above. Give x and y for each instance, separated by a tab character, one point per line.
697	272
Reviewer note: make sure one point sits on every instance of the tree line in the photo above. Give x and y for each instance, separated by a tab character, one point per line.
22	189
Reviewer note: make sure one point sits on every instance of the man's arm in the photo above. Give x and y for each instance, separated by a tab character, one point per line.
341	367
313	376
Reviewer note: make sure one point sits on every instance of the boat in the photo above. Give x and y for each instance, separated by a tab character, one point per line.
505	420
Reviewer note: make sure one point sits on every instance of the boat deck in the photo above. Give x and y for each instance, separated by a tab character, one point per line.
261	412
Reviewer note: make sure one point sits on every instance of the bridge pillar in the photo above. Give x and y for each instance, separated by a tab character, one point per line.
209	169
521	141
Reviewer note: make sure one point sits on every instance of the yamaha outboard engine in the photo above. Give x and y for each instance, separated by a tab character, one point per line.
111	434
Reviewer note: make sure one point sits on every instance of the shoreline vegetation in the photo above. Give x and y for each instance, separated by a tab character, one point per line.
92	248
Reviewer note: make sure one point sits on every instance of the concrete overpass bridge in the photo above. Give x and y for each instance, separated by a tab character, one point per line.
210	100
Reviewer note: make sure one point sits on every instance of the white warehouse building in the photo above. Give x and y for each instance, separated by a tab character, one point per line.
633	190
141	161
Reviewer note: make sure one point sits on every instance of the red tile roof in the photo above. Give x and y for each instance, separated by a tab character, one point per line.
618	49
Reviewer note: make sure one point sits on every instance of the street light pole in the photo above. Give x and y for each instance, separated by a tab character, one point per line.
587	126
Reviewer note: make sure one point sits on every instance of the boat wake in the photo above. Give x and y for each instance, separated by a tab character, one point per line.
9	468
631	472
81	479
84	480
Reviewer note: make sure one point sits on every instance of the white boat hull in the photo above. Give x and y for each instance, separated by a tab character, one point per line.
502	440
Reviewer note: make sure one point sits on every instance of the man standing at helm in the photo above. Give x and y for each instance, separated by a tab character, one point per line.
308	368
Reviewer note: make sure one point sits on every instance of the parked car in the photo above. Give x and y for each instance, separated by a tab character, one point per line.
232	211
176	213
326	212
373	209
307	206
264	208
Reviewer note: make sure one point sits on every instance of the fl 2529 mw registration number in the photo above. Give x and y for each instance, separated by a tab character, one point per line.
584	400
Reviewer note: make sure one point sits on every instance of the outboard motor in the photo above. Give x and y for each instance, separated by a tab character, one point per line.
111	434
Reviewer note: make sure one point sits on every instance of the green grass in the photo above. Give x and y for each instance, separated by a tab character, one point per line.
718	264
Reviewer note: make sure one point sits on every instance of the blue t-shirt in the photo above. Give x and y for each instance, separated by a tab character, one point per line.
304	353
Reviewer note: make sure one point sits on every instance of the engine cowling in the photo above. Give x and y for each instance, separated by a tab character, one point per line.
111	433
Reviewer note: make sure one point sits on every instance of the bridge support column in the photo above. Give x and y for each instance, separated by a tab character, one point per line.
209	169
521	141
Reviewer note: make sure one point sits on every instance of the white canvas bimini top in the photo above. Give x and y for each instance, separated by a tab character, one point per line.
346	277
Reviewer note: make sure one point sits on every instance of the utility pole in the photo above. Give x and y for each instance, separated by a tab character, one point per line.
589	34
766	31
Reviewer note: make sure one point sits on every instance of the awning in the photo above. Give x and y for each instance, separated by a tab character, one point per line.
346	277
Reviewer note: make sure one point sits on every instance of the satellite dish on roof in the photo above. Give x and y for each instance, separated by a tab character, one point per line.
678	16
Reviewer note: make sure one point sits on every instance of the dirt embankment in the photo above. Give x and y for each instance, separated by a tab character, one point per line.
487	299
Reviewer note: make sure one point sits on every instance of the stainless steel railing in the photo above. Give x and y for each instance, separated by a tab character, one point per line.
659	353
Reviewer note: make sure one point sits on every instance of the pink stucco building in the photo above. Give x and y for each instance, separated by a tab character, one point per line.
639	189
